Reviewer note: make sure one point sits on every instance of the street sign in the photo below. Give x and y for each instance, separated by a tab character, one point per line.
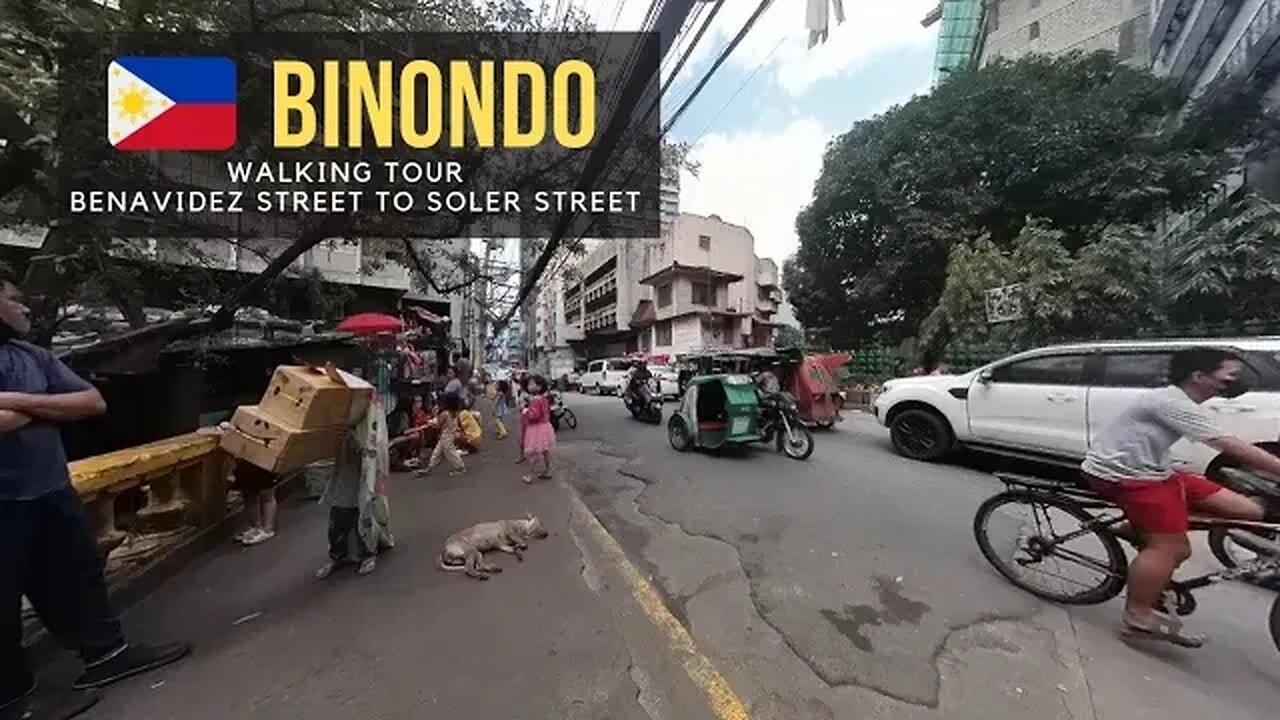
1004	304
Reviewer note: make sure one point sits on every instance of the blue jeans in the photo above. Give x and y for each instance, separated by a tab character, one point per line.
48	553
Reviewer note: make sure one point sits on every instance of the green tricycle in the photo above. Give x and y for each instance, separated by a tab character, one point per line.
716	410
727	410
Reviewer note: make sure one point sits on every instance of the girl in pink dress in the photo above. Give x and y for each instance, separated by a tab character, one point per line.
539	436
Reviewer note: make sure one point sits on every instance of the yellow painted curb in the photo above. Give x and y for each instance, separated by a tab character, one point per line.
723	700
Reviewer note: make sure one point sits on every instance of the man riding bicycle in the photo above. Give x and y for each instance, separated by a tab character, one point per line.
1129	464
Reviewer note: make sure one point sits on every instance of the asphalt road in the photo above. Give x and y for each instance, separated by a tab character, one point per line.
849	586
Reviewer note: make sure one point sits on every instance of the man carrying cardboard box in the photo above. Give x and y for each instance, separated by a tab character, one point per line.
47	549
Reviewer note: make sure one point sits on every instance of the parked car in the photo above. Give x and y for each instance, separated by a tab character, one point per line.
574	380
668	380
605	376
1048	404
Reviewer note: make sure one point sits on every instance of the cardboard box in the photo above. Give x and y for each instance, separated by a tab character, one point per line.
263	440
306	397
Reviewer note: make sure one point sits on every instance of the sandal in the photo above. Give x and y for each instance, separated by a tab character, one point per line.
528	479
1166	629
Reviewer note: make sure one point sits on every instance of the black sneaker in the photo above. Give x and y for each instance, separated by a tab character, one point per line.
38	704
128	661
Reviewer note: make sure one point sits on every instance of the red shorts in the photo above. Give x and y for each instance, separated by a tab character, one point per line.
1157	506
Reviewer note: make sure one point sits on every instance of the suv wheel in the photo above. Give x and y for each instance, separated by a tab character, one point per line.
920	434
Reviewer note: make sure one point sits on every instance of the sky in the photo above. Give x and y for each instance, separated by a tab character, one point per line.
761	125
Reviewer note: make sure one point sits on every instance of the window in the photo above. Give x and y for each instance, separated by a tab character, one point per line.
1034	29
704	294
1051	370
664	295
619	365
704	242
662	334
1145	370
596	366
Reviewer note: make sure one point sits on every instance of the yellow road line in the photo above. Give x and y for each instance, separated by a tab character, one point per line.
723	700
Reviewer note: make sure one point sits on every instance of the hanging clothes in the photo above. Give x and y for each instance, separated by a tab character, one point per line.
818	18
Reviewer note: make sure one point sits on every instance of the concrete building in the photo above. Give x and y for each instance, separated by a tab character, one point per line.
553	355
1014	28
699	286
1196	43
668	202
708	290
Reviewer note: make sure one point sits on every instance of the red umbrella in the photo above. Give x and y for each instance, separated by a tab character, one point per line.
371	324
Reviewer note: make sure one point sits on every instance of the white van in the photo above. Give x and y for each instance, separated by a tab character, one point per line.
606	376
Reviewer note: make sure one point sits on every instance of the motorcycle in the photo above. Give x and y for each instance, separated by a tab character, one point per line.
561	415
644	402
780	422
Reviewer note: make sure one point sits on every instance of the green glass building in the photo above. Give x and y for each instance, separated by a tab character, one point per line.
959	37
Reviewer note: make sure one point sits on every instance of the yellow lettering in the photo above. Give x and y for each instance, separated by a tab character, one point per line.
332	93
430	105
586	104
512	106
466	100
286	105
374	103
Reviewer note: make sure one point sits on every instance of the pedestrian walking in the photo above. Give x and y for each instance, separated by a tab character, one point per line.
359	511
538	435
501	407
258	489
447	444
47	548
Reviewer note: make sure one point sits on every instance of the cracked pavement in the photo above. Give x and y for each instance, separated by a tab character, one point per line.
555	636
850	586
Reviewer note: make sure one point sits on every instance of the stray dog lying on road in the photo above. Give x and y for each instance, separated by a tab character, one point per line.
464	550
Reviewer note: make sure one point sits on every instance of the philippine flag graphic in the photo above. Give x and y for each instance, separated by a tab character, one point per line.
171	103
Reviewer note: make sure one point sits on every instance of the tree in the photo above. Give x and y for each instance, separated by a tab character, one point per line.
1079	141
789	337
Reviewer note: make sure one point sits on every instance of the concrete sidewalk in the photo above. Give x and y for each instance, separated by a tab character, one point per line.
557	636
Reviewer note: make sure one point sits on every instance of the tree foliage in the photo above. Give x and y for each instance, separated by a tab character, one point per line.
1078	141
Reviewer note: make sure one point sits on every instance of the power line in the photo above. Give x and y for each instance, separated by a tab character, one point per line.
724	55
667	25
591	173
735	94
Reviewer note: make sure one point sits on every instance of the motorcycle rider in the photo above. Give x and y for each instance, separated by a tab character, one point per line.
638	379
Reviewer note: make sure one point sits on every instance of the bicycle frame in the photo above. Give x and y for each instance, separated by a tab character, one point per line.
1088	500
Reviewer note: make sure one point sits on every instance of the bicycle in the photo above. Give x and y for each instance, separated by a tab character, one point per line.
1100	520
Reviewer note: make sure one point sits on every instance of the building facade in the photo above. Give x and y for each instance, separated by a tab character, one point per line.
699	286
1014	28
959	35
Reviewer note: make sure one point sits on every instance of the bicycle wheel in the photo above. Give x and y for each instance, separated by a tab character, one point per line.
1274	622
1040	545
570	419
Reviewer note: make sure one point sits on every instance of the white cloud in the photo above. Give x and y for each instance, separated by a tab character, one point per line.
759	180
780	37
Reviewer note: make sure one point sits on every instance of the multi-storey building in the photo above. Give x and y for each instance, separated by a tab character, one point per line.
959	35
1014	28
